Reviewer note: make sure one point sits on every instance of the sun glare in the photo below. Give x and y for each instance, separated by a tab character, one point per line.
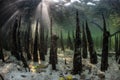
56	0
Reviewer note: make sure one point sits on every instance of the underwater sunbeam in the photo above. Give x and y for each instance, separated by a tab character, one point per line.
42	14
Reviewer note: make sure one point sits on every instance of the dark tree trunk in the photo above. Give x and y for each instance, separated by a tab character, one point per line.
42	39
106	34
14	50
31	47
27	20
25	65
1	54
46	43
119	51
1	51
84	44
77	60
117	48
61	42
18	38
28	41
53	51
93	55
42	44
35	52
50	57
69	42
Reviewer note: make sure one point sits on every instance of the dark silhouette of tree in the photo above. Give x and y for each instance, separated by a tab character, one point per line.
14	49
53	48
42	44
31	46
117	48
50	57
25	65
46	43
77	61
93	55
19	38
53	51
42	38
84	44
1	50
27	20
106	34
35	52
28	35
119	51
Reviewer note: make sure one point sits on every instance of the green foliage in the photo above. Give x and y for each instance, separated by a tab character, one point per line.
115	20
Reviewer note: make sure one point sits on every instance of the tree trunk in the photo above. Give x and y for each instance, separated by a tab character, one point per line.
84	44
77	60
93	55
35	52
117	48
50	57
106	34
18	38
1	51
53	51
25	65
42	38
14	50
119	51
42	44
28	41
46	43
